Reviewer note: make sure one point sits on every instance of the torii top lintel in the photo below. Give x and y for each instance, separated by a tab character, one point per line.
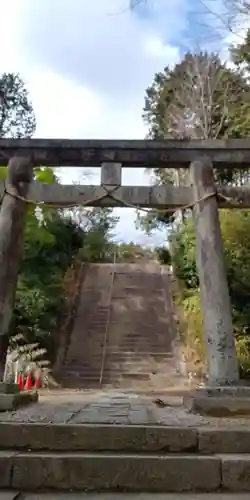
234	153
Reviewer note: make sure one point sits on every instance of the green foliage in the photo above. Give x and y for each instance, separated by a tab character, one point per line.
45	175
131	252
194	323
154	219
236	234
50	244
163	255
182	245
30	354
173	109
30	357
98	245
17	117
243	350
3	173
170	101
235	227
241	52
200	98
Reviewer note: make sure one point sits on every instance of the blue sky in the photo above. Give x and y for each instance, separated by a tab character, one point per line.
88	63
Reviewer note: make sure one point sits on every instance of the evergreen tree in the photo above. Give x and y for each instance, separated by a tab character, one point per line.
200	98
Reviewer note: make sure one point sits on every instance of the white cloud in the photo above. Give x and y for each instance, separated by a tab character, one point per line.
86	65
85	41
156	48
63	109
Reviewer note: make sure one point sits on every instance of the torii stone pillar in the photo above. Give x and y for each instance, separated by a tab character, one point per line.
12	220
215	300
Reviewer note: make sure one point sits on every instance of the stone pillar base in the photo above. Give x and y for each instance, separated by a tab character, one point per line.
9	388
11	397
219	401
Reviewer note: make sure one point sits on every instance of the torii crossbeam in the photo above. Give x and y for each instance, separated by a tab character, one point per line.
130	153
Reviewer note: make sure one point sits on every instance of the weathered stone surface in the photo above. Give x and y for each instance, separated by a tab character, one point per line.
152	473
236	472
6	462
167	153
62	406
131	496
10	402
145	196
12	495
238	390
111	174
96	438
6	388
218	407
214	293
12	222
224	440
141	331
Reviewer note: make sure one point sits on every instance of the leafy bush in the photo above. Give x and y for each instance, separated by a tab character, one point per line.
163	255
49	247
235	227
25	357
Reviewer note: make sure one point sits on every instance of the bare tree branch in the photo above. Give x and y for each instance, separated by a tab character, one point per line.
216	18
195	105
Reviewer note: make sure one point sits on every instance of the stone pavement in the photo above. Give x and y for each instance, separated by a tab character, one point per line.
123	496
113	407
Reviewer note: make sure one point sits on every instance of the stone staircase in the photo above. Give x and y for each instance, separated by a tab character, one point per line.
117	458
124	331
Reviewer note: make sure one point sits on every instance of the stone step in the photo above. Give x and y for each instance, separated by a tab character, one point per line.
166	379
159	473
4	495
82	376
118	371
93	437
115	472
123	379
139	345
139	326
121	367
125	367
124	438
118	357
124	352
95	374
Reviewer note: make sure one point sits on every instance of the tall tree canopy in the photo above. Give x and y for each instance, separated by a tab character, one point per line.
200	98
197	99
17	118
203	98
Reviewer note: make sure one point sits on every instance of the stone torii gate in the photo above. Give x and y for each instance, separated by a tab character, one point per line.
203	196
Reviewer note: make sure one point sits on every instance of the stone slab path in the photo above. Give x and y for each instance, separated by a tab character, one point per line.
113	407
